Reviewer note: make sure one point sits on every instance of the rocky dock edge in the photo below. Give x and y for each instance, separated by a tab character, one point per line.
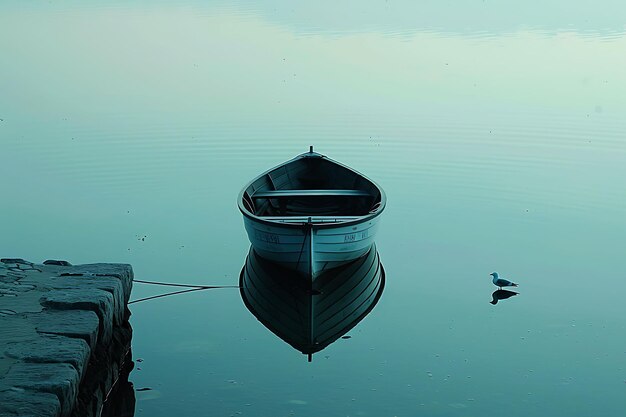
64	336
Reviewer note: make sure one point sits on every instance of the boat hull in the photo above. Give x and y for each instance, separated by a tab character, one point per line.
312	248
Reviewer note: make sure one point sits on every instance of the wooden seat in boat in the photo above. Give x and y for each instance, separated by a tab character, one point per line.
282	194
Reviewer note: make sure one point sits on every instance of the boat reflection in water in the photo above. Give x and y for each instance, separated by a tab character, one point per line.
310	315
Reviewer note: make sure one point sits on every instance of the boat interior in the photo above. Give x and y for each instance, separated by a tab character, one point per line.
311	186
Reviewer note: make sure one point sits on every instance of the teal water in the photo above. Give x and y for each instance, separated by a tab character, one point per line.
497	131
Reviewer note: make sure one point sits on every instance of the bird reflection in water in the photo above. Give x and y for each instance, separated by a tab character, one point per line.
501	295
310	315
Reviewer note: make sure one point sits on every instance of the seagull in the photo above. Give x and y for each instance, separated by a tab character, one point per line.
499	282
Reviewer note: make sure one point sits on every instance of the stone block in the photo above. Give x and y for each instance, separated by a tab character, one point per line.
123	272
98	301
52	349
8	278
60	379
16	261
90	283
56	262
20	402
79	323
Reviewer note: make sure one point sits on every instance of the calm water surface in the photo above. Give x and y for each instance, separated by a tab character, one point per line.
497	131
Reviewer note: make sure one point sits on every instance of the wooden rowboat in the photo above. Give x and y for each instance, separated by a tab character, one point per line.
311	213
310	315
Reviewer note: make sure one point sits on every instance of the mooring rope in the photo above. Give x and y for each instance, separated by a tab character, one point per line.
170	284
190	288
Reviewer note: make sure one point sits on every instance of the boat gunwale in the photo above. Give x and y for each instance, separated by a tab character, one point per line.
357	220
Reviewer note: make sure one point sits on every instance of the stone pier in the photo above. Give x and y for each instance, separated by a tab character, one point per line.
64	336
